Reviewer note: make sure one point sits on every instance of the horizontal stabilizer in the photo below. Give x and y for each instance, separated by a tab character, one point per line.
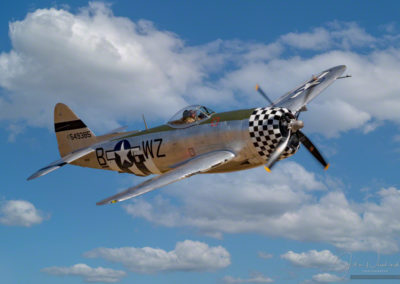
199	164
65	160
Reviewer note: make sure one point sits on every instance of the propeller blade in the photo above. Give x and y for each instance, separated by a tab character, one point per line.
258	88
277	153
312	149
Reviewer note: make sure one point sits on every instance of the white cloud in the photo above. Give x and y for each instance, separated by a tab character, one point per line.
336	35
187	256
371	126
232	202
253	279
350	35
110	65
279	205
347	104
324	260
318	39
113	68
20	213
335	116
89	274
14	130
326	278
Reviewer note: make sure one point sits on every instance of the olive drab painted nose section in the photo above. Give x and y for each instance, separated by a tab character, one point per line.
266	131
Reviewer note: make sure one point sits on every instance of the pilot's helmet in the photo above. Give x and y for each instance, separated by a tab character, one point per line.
186	114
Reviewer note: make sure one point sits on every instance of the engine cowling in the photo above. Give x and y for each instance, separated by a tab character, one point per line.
267	127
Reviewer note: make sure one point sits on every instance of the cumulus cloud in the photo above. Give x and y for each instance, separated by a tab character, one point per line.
89	274
336	35
336	116
20	213
258	278
326	278
279	205
348	104
324	260
187	256
231	203
111	65
318	39
113	68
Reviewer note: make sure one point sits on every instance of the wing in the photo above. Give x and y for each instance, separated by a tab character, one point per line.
59	163
199	164
298	98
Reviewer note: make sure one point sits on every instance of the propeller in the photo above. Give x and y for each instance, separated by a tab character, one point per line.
294	135
312	149
258	88
277	153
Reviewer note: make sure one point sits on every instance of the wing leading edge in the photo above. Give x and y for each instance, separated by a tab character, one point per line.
199	164
296	99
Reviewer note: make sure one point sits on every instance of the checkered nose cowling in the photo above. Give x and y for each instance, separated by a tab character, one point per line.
267	126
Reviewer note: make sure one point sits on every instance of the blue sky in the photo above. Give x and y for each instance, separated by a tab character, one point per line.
113	62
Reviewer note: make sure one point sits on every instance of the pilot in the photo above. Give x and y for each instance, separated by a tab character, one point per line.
189	116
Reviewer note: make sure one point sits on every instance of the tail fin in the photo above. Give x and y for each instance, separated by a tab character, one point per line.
72	134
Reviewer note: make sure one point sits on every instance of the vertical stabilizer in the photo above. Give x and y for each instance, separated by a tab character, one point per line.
72	133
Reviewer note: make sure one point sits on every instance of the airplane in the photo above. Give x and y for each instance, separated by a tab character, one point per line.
196	140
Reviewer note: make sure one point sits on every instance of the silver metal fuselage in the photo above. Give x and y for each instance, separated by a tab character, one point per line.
157	152
182	144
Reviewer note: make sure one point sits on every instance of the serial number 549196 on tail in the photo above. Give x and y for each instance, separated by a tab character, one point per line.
195	140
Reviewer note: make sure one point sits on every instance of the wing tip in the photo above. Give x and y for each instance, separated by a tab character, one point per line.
32	176
36	175
44	171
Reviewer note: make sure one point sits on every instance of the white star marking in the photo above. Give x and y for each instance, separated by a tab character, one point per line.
123	154
309	84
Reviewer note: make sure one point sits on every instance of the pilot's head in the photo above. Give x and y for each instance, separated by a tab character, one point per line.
186	114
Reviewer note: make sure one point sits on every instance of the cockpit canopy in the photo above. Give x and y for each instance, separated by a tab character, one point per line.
190	115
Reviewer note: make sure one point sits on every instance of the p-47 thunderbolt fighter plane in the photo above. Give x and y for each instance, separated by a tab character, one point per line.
195	140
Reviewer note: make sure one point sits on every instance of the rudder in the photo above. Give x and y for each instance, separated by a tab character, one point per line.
72	133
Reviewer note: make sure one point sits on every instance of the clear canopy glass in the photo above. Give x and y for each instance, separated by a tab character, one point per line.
190	115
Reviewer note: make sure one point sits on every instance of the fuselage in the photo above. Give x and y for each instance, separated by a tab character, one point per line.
160	149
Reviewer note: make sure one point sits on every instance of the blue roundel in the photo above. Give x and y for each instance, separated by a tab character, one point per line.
123	155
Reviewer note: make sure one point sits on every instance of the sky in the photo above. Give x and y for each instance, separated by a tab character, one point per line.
111	62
